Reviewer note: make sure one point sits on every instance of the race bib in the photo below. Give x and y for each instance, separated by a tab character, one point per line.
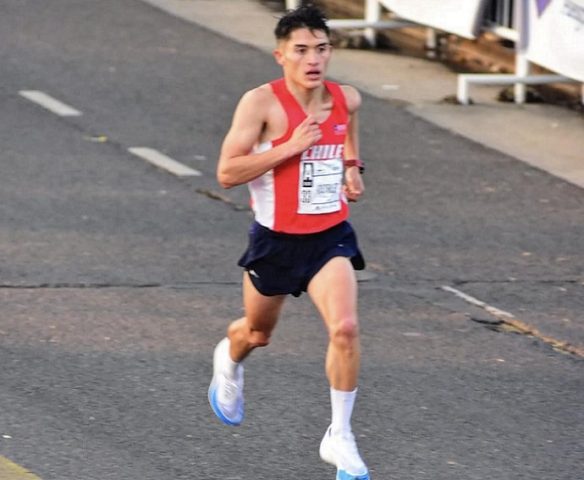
320	186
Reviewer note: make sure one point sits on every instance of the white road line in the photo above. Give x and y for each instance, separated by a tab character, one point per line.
475	301
162	161
50	103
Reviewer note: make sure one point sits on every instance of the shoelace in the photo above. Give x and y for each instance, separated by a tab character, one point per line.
229	390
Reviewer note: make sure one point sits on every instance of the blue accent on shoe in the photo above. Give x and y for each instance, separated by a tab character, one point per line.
343	475
233	422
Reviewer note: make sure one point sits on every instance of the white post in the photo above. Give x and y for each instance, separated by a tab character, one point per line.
292	4
431	43
372	15
521	63
462	93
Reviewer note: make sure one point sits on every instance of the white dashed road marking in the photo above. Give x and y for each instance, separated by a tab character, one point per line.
162	161
151	155
475	301
50	103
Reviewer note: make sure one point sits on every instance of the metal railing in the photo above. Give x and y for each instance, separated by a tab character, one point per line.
508	20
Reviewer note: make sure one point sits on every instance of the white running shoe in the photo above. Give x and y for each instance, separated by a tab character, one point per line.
226	393
341	451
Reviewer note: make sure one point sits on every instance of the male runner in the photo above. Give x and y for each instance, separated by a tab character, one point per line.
294	141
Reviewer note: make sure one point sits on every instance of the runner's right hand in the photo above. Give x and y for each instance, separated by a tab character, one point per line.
306	134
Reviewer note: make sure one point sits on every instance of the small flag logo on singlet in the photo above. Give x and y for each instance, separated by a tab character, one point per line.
340	128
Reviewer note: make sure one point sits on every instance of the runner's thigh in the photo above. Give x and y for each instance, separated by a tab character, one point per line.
261	311
334	291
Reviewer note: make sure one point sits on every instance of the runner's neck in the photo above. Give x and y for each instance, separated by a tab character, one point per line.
309	99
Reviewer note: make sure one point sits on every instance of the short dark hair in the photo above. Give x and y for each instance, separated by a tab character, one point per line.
305	16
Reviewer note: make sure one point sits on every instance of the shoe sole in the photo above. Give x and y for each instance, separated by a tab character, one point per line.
342	475
212	395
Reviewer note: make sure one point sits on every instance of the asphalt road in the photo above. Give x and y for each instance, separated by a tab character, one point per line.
117	278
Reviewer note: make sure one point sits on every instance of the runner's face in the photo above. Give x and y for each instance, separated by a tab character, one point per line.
304	56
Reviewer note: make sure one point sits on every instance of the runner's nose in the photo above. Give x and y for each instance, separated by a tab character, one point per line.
312	57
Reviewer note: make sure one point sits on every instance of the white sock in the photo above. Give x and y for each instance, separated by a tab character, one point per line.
231	368
342	408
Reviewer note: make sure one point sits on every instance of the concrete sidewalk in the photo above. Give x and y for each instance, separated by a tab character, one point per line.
545	136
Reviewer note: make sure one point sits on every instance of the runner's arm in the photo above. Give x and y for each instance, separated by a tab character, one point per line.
353	99
354	186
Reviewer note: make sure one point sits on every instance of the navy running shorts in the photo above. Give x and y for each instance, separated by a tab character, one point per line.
281	263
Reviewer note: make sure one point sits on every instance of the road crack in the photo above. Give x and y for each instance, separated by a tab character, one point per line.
507	322
213	195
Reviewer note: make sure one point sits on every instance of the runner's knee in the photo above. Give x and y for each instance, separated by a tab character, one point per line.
242	331
344	332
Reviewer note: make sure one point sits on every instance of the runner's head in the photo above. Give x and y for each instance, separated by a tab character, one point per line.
304	48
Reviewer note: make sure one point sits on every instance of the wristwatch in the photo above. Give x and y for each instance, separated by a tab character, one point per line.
355	162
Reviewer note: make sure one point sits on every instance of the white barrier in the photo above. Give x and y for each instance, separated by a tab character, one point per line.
516	33
461	17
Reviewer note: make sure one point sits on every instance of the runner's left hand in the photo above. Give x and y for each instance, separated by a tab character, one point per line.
353	187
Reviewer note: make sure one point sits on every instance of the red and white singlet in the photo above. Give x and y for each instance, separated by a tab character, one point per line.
304	194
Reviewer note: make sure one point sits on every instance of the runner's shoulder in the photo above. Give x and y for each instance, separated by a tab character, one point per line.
352	97
261	97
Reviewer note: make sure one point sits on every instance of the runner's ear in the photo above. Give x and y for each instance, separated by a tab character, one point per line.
279	56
